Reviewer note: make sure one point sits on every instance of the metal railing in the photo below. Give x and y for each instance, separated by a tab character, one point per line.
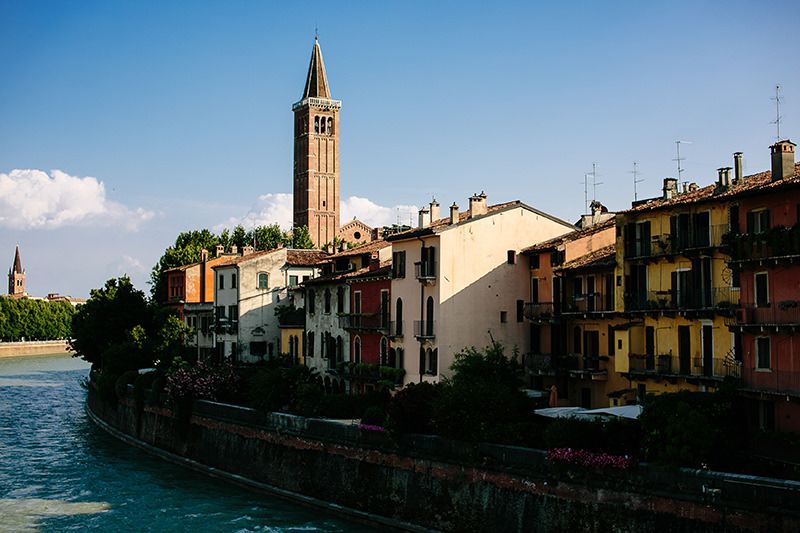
364	322
785	313
538	310
714	298
671	365
424	329
669	244
588	303
396	328
777	242
318	102
425	270
773	380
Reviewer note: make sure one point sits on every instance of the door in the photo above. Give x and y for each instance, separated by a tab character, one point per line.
684	350
708	351
586	398
591	350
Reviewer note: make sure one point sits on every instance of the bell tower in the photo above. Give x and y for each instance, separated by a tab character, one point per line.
316	155
16	278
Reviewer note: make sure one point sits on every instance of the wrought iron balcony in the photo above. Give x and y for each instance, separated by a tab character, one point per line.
671	365
225	326
714	298
396	328
424	329
587	303
778	243
701	238
425	270
364	322
780	314
539	311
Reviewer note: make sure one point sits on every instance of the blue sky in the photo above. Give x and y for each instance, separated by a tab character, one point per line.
183	111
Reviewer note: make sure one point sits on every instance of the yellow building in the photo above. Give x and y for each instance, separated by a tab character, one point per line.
676	289
292	343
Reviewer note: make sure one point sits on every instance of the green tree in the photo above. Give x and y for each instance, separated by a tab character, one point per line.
267	237
34	319
103	328
301	239
186	250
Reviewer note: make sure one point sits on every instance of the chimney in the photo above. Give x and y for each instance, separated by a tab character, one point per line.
724	180
737	167
477	204
670	188
692	187
782	159
454	213
203	255
435	215
234	249
220	250
424	217
247	250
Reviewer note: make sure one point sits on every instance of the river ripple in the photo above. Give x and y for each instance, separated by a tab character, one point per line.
59	472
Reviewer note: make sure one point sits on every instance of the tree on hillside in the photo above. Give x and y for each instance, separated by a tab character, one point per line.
34	319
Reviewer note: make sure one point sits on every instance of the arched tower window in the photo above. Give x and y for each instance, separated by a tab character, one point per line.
316	124
322	125
330	125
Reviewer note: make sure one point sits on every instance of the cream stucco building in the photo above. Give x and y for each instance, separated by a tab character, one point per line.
459	281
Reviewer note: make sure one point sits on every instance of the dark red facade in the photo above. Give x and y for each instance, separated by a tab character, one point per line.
765	257
371	317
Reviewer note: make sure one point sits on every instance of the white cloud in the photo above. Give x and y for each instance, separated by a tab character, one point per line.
34	199
277	208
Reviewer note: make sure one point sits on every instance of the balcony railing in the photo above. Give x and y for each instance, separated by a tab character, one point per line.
671	365
539	311
364	322
667	244
573	364
715	298
774	243
424	329
774	380
225	326
396	328
425	270
785	313
587	303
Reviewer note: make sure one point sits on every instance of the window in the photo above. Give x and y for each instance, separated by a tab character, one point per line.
503	317
429	317
312	302
576	340
357	302
433	361
233	312
340	300
357	350
310	344
233	281
535	290
762	353
399	264
733	219
293	281
330	130
221	282
577	287
258	348
757	221
263	280
520	309
511	257
384	309
535	262
384	351
610	340
762	287
327	301
339	349
398	317
316	124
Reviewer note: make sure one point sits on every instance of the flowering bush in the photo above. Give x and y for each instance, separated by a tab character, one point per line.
588	459
369	427
201	382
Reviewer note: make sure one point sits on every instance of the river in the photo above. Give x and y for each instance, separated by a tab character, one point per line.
59	472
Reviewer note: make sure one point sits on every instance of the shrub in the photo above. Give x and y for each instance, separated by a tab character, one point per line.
411	409
307	400
374	416
106	386
614	436
275	388
201	382
122	382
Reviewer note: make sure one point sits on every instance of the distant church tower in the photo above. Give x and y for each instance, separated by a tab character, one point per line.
16	277
316	155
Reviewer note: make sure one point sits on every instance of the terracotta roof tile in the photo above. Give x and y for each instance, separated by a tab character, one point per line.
367	248
602	257
305	257
569	237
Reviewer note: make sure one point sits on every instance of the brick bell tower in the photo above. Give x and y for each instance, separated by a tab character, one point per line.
316	155
16	277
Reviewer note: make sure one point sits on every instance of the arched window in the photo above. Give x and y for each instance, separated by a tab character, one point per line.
316	124
399	355
327	300
310	344
384	351
330	125
421	361
576	339
433	362
340	300
339	349
312	301
263	280
357	350
322	125
428	360
398	318
429	317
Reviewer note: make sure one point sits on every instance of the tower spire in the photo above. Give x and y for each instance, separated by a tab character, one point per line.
17	269
317	80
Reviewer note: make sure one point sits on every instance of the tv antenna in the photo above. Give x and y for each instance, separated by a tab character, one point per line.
595	183
678	158
778	99
586	192
636	179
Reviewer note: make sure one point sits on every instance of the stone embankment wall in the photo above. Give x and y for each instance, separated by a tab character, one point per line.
15	349
425	482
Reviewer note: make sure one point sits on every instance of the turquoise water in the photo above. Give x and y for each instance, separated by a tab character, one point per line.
59	472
